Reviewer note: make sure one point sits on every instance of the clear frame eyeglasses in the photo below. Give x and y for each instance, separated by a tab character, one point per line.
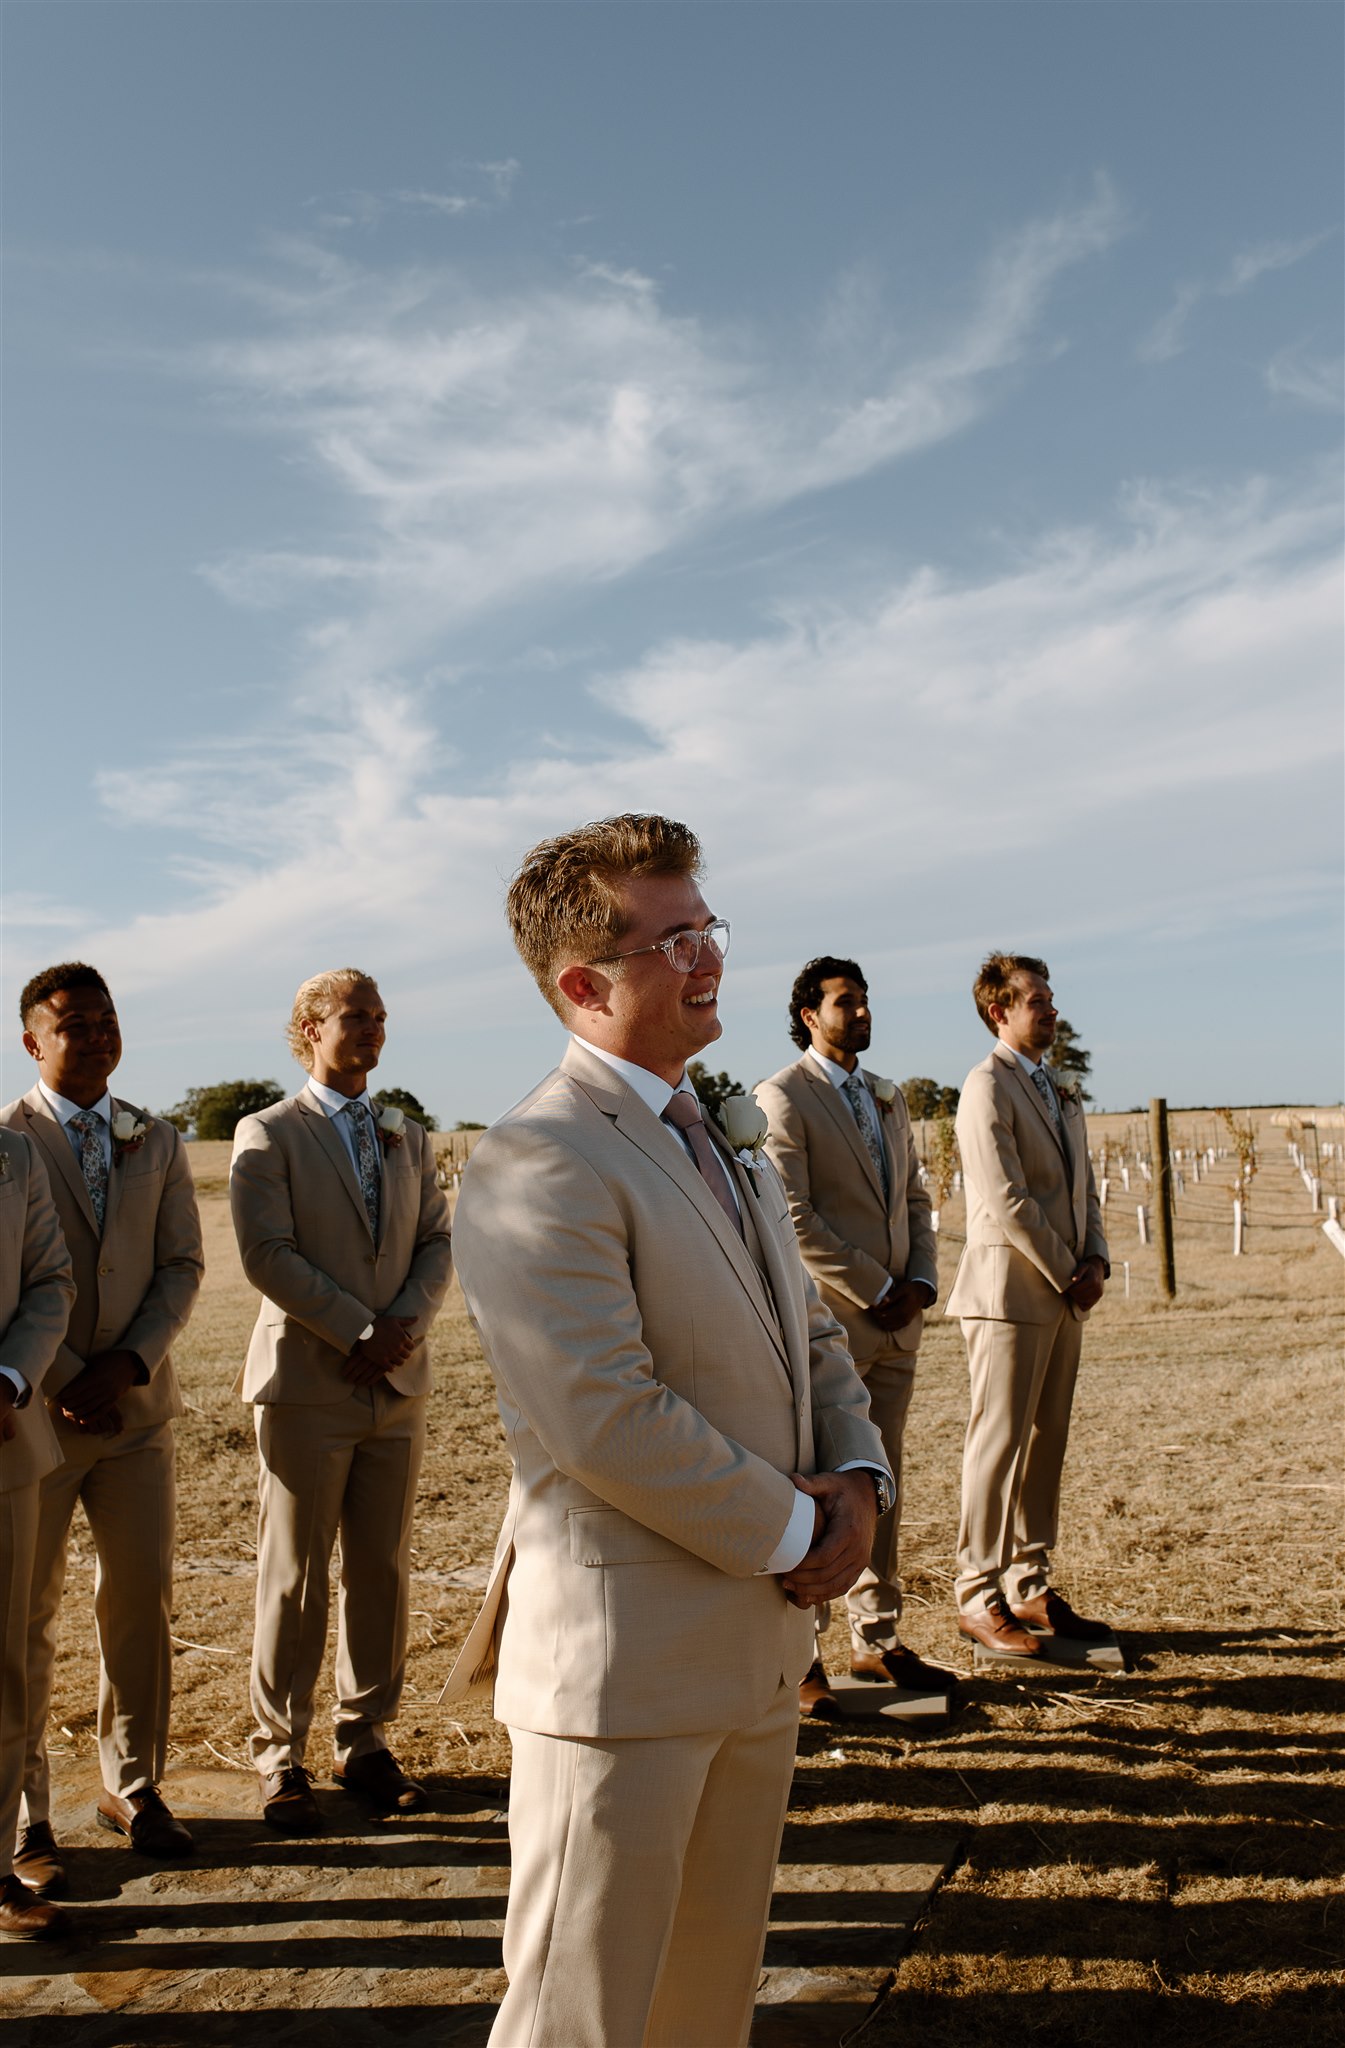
682	950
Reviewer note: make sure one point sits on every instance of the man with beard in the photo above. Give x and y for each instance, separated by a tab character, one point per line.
841	1139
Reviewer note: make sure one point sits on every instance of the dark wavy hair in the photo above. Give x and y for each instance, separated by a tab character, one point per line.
53	980
806	993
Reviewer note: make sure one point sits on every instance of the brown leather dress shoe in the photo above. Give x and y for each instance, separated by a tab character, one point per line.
900	1666
996	1630
146	1820
22	1913
816	1696
37	1861
378	1779
1051	1614
288	1804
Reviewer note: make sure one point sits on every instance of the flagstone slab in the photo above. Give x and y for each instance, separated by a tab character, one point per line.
390	1929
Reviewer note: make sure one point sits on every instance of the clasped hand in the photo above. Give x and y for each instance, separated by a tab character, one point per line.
389	1345
845	1511
1085	1288
900	1305
89	1400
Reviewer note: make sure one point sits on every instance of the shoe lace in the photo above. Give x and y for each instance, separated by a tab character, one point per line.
294	1778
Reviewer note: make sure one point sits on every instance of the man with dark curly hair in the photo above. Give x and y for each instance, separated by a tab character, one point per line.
123	1192
842	1141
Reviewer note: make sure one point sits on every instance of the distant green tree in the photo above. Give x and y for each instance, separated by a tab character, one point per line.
216	1112
1067	1056
714	1090
467	1125
403	1099
925	1098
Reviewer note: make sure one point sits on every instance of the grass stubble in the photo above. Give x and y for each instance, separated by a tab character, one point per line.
1154	1855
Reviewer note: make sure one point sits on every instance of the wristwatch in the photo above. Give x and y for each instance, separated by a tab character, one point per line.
882	1486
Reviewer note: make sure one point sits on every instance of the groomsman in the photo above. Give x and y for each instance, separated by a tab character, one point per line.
123	1193
36	1290
344	1231
1034	1265
841	1139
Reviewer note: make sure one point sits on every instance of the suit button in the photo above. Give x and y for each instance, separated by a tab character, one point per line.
370	1258
105	1269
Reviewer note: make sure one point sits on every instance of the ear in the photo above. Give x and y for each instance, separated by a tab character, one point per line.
583	987
808	1019
31	1046
310	1029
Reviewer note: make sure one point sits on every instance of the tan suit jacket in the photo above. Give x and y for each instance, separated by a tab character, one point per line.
656	1391
851	1236
136	1283
1032	1207
37	1289
303	1232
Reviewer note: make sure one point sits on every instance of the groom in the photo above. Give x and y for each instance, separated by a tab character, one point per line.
687	1435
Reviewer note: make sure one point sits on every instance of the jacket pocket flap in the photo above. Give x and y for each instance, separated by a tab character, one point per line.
606	1536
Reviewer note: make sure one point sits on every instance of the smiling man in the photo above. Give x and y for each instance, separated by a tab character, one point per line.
123	1193
1035	1263
678	1405
344	1231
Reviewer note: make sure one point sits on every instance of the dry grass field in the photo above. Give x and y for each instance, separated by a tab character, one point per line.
1155	1855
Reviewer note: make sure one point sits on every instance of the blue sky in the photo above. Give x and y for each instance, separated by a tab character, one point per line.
903	440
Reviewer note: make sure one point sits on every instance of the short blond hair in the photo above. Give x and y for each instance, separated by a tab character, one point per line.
994	983
564	903
316	999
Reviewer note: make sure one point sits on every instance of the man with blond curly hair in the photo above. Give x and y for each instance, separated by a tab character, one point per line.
344	1231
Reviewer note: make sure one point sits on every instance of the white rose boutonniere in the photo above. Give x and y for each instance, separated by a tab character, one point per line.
4	1166
884	1093
745	1126
1067	1088
128	1134
391	1126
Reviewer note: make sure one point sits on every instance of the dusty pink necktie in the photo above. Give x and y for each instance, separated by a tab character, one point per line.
684	1114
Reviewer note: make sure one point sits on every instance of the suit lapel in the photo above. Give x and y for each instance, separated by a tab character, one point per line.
637	1122
1029	1089
48	1131
778	1279
886	1125
114	1174
839	1109
328	1138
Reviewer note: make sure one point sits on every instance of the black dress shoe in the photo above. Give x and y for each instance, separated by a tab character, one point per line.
22	1913
288	1804
816	1696
37	1861
146	1821
378	1779
1051	1614
900	1666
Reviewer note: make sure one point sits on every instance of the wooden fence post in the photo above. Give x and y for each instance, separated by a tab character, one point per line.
1162	1193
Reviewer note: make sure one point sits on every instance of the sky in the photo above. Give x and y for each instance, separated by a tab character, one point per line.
902	440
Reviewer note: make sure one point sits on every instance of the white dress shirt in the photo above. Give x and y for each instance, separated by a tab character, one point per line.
656	1094
334	1102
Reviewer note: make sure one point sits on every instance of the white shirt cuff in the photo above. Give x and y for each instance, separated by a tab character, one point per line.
17	1381
883	1292
797	1540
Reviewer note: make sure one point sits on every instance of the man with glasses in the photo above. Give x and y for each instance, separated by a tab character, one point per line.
679	1408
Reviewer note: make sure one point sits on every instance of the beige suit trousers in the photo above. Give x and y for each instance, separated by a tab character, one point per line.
1022	1389
336	1468
873	1603
640	1886
127	1488
18	1547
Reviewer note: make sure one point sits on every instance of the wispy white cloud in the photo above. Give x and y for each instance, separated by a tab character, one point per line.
1314	380
487	449
1100	706
1167	337
362	209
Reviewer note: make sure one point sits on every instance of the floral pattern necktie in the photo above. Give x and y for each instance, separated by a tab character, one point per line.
92	1163
1047	1094
366	1161
853	1091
